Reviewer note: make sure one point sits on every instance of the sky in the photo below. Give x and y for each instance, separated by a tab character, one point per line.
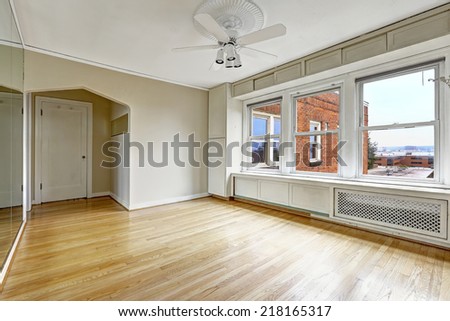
404	99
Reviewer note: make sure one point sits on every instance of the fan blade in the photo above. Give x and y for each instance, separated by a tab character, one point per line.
214	67
196	48
212	26
252	50
263	34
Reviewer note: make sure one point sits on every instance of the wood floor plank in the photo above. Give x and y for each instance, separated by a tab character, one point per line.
210	249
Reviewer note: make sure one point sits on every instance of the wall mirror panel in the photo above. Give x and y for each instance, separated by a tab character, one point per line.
11	132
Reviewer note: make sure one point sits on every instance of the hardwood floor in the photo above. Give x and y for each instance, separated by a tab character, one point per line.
10	222
210	249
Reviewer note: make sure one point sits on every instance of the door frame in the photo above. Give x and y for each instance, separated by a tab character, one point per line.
38	142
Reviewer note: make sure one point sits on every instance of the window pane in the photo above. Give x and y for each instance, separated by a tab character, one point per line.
318	112
317	153
275	150
258	152
277	126
259	126
407	153
402	99
263	156
266	120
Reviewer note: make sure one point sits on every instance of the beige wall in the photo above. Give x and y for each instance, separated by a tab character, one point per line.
101	112
11	67
118	110
9	90
159	110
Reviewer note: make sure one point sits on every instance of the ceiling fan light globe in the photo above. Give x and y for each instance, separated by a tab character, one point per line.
229	64
219	58
237	61
231	53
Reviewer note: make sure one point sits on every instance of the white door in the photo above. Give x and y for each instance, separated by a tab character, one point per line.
63	151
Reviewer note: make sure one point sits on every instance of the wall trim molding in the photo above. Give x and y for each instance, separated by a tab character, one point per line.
168	201
416	29
106	66
99	194
120	201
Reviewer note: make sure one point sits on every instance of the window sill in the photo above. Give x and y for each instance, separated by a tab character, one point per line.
340	181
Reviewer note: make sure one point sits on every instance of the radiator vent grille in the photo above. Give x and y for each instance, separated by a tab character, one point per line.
424	216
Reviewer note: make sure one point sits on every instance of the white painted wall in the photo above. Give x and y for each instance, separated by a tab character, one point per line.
159	110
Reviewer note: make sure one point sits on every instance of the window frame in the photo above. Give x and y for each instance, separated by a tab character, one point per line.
268	137
436	123
295	134
318	141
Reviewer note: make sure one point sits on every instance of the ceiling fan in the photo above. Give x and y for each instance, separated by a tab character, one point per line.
229	44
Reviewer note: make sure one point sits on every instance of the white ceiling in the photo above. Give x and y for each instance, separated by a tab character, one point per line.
138	35
8	30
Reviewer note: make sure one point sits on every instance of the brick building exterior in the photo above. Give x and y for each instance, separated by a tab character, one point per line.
319	112
274	109
406	160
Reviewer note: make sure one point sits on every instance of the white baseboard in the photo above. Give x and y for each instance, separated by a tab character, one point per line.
168	201
101	194
149	204
92	195
120	201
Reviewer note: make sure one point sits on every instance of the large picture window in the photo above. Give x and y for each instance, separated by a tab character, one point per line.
399	124
265	130
317	131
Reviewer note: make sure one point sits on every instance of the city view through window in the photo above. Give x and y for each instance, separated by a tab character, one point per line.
399	125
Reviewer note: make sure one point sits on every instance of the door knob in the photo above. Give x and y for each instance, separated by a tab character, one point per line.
83	157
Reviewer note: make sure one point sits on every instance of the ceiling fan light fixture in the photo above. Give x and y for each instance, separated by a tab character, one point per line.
233	24
219	58
236	17
231	53
237	61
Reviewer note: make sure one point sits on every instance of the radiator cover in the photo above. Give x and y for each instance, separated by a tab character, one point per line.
411	214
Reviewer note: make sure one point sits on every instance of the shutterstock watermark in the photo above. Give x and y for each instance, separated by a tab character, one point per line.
184	152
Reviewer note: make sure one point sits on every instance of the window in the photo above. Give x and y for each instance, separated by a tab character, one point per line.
265	129
399	119
316	131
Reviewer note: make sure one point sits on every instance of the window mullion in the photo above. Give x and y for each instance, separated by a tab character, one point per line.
400	126
317	133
